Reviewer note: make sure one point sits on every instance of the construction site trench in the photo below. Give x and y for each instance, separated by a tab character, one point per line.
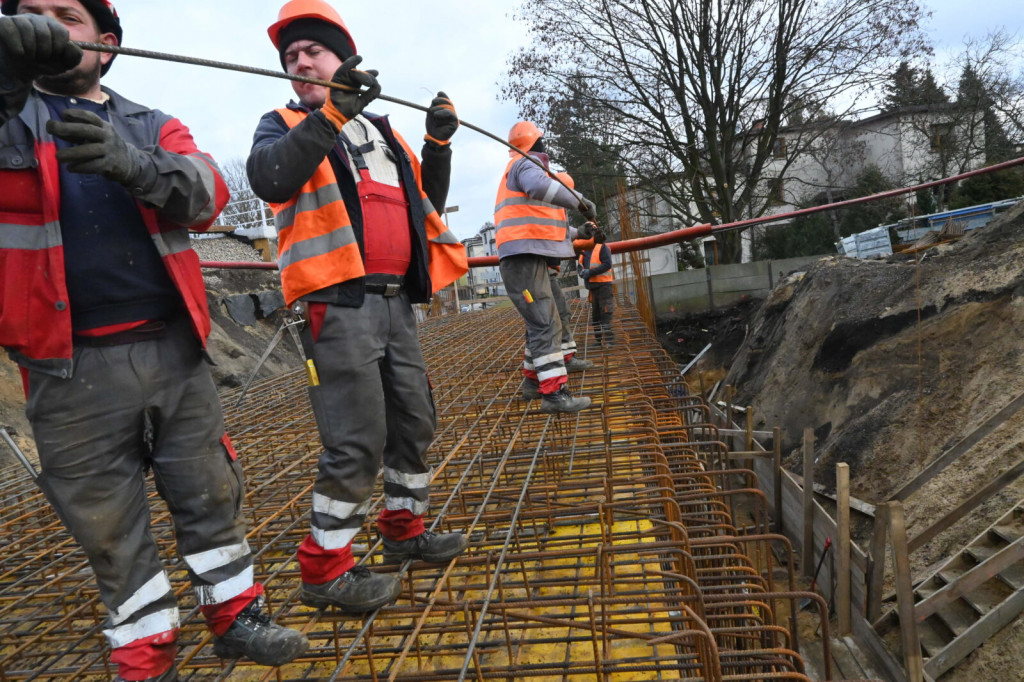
621	543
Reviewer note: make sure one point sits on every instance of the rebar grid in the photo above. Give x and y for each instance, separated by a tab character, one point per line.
604	545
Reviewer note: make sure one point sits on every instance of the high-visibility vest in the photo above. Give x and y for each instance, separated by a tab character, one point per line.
318	246
519	217
595	260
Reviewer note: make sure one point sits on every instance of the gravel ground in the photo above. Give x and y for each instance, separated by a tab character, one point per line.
226	249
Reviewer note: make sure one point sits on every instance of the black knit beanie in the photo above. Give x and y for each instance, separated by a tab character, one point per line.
331	37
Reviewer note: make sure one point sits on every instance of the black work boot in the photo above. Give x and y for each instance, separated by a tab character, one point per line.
530	389
577	364
253	634
562	401
357	590
434	548
170	676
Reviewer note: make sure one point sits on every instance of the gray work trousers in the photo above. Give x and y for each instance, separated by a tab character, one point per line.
128	407
543	360
602	306
373	406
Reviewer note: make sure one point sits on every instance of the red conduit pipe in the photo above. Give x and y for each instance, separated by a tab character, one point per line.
688	233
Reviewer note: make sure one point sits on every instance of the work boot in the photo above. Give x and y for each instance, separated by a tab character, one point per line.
562	401
530	389
170	676
253	634
434	548
577	365
357	590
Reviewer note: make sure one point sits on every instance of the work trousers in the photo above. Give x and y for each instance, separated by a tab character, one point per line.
129	407
373	406
543	362
568	343
602	305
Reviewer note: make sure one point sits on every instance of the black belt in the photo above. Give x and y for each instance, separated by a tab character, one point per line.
385	285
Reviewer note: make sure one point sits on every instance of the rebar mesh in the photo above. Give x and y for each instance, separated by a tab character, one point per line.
604	545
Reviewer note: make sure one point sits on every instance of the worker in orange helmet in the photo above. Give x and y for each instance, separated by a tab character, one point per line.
360	241
532	231
595	268
573	363
103	306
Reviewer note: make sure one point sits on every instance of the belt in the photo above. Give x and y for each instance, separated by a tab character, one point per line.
385	285
155	329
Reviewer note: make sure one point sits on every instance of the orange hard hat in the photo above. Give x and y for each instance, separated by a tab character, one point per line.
567	179
307	9
523	136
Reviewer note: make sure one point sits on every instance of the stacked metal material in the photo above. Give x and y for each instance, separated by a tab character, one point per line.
603	544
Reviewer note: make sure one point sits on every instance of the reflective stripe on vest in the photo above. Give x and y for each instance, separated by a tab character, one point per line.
595	260
517	216
316	241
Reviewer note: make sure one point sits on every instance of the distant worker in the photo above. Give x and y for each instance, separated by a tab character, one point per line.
104	308
531	231
360	242
595	267
573	363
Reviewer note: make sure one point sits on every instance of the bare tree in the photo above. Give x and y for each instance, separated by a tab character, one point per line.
244	209
698	89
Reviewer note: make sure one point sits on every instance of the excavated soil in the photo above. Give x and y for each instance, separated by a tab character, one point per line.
891	363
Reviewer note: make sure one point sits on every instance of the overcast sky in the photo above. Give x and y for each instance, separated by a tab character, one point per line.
419	47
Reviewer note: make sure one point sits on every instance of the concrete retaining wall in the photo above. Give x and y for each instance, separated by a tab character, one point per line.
694	291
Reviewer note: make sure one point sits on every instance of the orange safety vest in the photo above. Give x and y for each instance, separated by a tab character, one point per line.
517	216
318	247
595	259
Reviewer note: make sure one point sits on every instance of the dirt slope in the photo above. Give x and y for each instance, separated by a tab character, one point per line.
891	363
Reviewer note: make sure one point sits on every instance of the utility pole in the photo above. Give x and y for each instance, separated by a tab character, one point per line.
447	210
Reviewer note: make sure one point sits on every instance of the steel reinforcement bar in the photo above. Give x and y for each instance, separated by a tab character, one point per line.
619	543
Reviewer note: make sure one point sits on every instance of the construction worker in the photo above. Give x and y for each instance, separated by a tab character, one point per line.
360	241
595	267
573	363
531	230
104	308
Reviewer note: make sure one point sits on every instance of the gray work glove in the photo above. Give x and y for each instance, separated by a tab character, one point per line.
585	273
344	105
97	147
586	231
588	209
442	121
32	45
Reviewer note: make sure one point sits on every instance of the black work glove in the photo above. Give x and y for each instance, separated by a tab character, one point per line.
586	231
97	147
32	45
588	209
442	121
585	273
344	105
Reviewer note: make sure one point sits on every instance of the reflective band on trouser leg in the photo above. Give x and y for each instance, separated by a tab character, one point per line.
529	371
327	552
223	583
144	644
407	491
551	372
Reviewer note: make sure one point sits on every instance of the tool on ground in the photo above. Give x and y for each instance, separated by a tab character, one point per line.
293	325
226	66
814	580
19	454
